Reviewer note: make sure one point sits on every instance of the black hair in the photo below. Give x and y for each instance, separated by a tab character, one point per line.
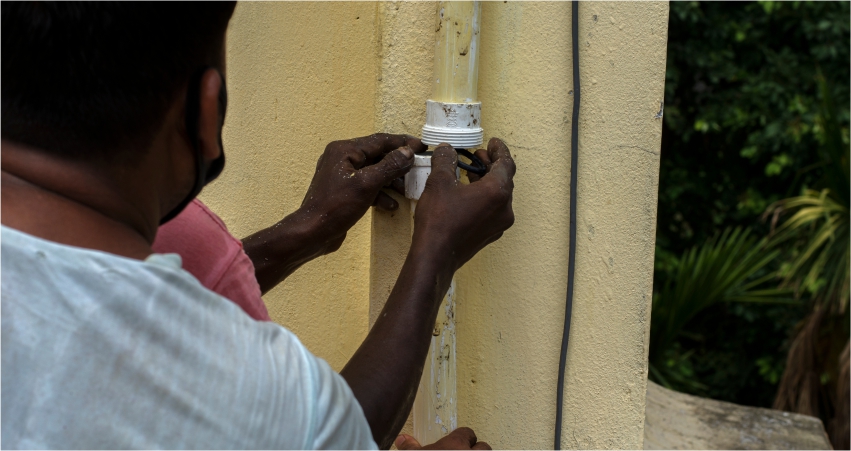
93	80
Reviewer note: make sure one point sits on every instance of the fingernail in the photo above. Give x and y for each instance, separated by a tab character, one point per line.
407	152
399	441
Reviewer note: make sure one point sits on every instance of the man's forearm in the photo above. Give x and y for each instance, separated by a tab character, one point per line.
279	250
348	180
385	370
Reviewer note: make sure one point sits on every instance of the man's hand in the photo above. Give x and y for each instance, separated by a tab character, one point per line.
348	180
452	223
460	220
461	438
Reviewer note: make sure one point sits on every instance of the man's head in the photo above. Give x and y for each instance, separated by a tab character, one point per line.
97	83
85	79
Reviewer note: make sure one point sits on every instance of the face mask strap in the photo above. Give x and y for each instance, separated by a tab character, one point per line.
204	173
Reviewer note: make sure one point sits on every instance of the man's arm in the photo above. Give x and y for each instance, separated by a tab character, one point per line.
452	223
279	250
348	180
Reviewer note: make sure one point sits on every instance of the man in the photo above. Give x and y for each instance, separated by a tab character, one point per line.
111	125
226	265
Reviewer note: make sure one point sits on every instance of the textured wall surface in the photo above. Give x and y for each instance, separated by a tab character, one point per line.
301	75
679	421
511	297
405	36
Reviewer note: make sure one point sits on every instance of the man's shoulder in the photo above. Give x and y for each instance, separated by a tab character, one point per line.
146	335
23	252
213	256
202	240
198	215
195	225
45	275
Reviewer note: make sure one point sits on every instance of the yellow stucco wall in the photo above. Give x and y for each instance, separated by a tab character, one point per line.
299	76
302	74
511	298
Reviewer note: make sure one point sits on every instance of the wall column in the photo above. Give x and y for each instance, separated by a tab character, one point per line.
511	297
293	89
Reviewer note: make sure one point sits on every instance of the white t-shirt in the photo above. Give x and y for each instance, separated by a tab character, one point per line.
101	351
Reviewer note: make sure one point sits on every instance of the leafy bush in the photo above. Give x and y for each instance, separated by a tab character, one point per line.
756	113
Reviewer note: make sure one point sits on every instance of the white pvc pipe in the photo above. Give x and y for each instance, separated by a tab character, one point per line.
456	52
453	115
435	407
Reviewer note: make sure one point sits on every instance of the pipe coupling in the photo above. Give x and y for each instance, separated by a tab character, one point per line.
416	178
457	124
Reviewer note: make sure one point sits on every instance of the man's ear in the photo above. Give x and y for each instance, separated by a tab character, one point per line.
209	117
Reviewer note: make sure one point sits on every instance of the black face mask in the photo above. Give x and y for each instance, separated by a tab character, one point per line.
204	173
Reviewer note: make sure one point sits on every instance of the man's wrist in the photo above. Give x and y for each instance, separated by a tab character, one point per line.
312	232
427	272
435	249
279	250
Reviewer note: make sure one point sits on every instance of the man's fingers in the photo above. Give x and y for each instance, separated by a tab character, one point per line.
374	146
502	165
481	445
383	201
481	154
394	165
319	162
444	162
496	149
464	435
405	441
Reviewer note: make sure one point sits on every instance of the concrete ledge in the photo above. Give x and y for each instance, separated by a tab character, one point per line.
676	420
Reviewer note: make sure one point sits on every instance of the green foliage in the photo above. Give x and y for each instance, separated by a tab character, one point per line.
816	236
815	240
819	250
730	351
742	110
746	125
728	268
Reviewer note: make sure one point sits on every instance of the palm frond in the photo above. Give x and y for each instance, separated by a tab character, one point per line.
732	267
816	237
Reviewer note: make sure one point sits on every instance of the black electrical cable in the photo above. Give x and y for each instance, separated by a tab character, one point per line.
477	166
571	258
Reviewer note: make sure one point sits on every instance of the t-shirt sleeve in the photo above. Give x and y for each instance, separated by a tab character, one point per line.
214	256
112	353
312	395
290	397
340	421
238	283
